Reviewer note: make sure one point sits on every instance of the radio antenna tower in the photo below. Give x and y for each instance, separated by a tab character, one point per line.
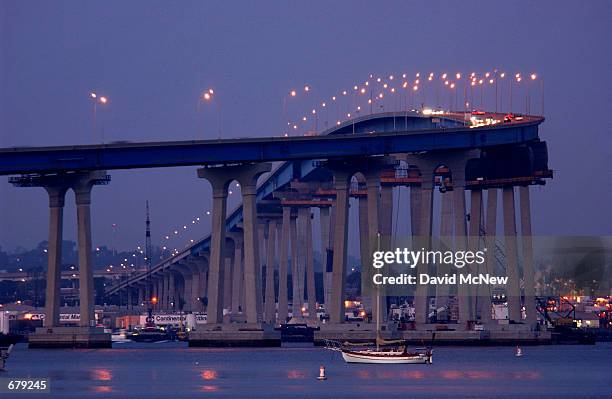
148	248
147	259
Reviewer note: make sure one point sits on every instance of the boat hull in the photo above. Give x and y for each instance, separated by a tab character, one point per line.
356	357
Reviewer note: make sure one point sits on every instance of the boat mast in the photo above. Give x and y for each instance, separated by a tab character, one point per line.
377	297
147	258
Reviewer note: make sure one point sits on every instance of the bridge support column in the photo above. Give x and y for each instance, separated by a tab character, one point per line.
52	335
296	302
238	273
415	209
171	289
158	294
512	270
303	214
528	272
203	290
283	297
141	295
375	237
270	308
82	190
164	303
424	240
214	333
186	299
219	184
484	303
311	290
364	246
341	184
262	236
324	216
461	244
193	292
474	244
228	276
54	253
446	235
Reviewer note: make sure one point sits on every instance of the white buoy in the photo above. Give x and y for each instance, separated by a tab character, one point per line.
518	352
321	376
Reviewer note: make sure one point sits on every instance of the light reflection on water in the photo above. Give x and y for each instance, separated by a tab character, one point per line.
102	388
101	375
209	375
177	371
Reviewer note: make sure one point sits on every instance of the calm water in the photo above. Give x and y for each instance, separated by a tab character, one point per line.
173	370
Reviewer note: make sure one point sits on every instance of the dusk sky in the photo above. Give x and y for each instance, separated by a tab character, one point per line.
153	59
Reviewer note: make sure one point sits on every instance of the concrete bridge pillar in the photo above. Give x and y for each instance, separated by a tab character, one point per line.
54	253
375	237
248	182
270	308
528	272
283	297
220	178
262	236
303	214
341	185
484	303
165	297
204	288
85	334
296	301
424	240
141	295
512	270
160	292
171	303
227	283
476	212
415	209
82	189
310	275
238	272
185	301
192	294
446	233
217	246
364	243
324	216
461	244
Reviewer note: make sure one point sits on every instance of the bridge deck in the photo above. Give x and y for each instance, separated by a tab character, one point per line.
374	135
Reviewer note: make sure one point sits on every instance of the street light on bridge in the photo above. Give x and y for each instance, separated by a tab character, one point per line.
95	100
206	97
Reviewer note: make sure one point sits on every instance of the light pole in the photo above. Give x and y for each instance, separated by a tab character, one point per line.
533	77
95	100
206	97
501	92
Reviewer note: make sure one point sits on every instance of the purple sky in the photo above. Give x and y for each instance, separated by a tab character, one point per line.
153	58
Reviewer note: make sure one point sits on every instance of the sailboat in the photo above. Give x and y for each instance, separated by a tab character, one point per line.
383	351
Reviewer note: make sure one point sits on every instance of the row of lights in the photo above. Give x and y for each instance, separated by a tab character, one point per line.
386	85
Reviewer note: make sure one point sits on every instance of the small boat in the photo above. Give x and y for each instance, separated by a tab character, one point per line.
383	352
392	356
150	332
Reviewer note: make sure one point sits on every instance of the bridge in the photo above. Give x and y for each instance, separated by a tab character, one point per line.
231	273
